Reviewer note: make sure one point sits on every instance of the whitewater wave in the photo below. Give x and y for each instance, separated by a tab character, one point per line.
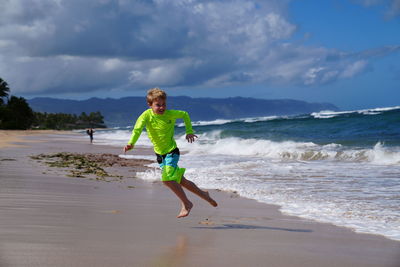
117	137
223	121
326	114
211	143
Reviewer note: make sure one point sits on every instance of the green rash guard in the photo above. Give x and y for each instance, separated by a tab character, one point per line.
160	129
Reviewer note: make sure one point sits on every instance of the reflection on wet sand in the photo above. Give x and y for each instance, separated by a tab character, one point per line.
175	255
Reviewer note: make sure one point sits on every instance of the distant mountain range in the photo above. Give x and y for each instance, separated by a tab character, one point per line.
124	111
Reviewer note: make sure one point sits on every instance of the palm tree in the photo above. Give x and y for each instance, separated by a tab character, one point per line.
4	90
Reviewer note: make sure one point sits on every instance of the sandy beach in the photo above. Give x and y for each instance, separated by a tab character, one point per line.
11	138
50	219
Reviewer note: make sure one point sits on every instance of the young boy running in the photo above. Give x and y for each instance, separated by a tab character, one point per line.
160	124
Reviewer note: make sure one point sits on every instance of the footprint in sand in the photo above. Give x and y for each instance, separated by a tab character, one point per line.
207	222
112	211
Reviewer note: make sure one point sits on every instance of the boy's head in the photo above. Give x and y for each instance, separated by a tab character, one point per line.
156	99
154	94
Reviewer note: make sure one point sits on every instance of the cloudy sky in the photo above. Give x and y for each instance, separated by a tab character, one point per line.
346	52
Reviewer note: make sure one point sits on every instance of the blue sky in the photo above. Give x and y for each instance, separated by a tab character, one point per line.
346	52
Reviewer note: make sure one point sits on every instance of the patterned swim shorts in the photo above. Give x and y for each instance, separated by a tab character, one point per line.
169	165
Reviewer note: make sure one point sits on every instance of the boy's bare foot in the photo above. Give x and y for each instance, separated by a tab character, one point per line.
209	199
185	210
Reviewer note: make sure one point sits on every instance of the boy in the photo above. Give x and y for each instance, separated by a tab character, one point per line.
160	124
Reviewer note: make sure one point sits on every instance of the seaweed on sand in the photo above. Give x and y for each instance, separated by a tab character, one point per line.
81	165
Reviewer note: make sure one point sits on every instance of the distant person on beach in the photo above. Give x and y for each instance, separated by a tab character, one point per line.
160	125
90	132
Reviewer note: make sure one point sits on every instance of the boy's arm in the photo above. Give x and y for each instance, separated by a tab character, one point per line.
188	123
137	130
190	136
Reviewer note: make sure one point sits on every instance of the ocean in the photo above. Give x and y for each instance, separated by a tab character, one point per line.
336	167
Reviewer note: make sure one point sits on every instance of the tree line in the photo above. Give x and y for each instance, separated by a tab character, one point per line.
15	113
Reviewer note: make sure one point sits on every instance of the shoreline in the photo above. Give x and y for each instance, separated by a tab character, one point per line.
132	222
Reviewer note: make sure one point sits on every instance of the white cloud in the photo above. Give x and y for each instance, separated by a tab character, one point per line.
312	74
354	68
159	74
112	64
58	46
278	26
392	6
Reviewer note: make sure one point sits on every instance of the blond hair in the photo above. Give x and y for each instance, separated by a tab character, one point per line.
155	93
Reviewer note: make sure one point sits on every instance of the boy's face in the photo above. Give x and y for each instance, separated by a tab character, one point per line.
158	106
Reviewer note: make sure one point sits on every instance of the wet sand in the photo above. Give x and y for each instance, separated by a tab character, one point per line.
50	219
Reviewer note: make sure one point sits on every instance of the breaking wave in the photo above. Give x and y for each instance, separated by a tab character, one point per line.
211	143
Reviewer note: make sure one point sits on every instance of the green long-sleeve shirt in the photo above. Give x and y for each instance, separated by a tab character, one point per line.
160	129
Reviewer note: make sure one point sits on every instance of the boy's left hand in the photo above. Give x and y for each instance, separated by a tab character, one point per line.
191	137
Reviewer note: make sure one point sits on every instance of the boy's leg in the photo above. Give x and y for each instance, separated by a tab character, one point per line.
192	187
177	189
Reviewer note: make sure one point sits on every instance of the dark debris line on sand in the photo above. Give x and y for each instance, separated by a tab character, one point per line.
80	165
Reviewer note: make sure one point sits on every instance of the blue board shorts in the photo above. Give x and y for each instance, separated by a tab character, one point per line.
169	165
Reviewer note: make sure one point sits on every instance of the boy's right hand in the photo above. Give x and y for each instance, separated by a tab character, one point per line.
128	147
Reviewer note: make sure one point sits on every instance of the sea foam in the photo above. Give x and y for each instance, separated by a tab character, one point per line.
326	114
211	143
